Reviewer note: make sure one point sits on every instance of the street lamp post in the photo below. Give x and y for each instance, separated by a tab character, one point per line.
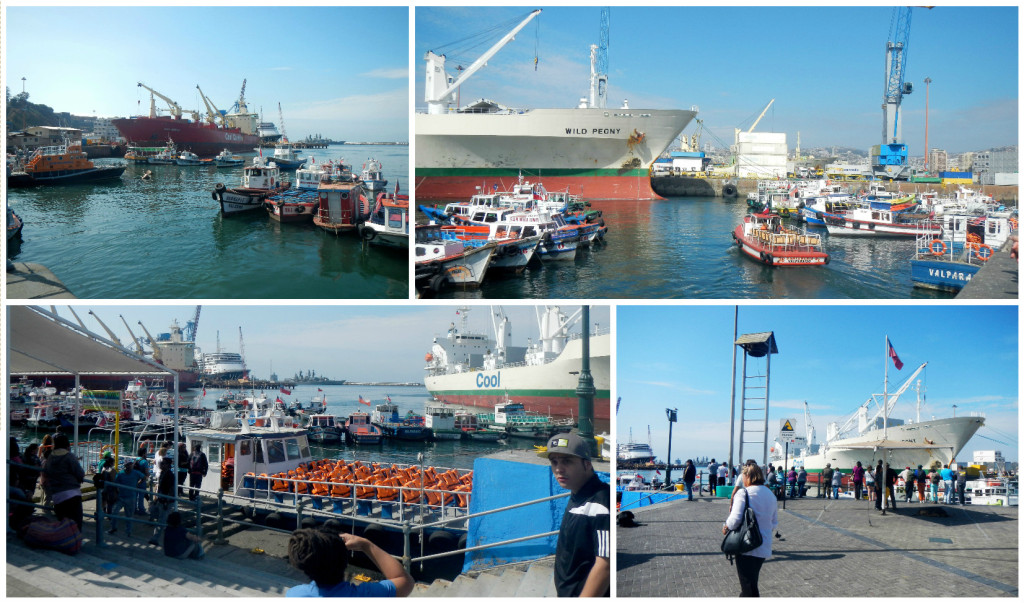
671	413
927	81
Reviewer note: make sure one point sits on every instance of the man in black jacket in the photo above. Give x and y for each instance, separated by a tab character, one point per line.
582	567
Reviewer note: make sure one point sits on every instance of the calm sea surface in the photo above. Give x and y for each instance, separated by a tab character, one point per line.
166	238
343	400
683	248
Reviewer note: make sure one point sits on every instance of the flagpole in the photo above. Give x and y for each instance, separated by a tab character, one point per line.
885	431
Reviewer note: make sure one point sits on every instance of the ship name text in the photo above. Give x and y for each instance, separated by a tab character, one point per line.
591	131
488	381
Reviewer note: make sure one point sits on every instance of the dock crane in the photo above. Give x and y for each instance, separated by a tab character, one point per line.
889	159
756	121
440	86
138	346
192	326
152	342
110	333
53	309
599	64
175	108
212	114
280	116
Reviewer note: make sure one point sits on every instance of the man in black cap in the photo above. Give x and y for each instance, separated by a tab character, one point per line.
582	566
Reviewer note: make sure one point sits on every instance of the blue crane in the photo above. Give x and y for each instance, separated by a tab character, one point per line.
599	64
889	159
192	326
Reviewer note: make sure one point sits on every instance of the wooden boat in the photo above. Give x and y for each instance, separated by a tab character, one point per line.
513	419
188	158
259	181
341	207
764	238
441	422
440	261
885	218
292	205
359	430
474	428
166	156
388	223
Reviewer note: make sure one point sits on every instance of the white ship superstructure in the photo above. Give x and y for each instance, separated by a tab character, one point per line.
473	369
863	438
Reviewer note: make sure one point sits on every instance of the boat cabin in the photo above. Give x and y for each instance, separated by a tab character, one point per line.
385	413
339	206
258	450
261	175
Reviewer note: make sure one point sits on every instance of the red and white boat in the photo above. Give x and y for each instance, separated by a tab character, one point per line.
341	207
765	239
883	219
259	181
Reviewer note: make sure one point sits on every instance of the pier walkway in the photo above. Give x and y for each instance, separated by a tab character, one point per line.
828	548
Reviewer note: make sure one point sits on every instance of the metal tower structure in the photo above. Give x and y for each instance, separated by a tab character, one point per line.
192	326
754	393
889	159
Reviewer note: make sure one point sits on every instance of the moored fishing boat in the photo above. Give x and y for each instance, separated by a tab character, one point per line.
140	155
440	261
373	175
226	159
882	219
165	156
292	205
410	427
259	181
341	207
515	421
360	430
473	428
764	238
440	419
388	223
285	156
14	224
188	158
324	429
950	261
62	164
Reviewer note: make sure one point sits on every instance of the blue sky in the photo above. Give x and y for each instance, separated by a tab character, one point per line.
384	342
341	72
830	356
824	67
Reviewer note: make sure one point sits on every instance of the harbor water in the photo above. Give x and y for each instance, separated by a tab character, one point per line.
342	400
165	238
683	248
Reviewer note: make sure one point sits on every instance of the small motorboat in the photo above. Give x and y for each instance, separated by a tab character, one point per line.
763	238
226	159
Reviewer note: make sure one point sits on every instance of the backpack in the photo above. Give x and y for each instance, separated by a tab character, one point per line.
197	464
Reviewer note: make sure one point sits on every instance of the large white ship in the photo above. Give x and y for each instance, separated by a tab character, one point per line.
634	452
473	369
863	438
591	150
223	365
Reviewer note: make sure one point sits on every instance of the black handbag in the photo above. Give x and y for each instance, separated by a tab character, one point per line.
745	538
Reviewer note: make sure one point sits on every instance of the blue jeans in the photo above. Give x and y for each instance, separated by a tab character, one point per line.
948	493
689	490
128	506
835	492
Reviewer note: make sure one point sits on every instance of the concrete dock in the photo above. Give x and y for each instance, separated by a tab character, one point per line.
34	281
829	548
997	279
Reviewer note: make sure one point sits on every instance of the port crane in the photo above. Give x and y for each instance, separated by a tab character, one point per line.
599	64
138	346
889	159
152	341
175	108
212	114
439	86
110	333
192	326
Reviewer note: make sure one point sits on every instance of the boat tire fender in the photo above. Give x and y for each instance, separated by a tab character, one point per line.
828	259
438	282
547	237
729	190
442	541
367	233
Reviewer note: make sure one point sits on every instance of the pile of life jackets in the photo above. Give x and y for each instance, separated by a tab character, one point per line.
337	478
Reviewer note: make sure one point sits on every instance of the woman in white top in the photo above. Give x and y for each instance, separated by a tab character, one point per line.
765	506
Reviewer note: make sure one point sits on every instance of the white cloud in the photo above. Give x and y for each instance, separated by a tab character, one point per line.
399	73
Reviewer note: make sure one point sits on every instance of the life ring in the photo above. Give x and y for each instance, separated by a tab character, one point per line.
1013	223
976	249
942	246
105	448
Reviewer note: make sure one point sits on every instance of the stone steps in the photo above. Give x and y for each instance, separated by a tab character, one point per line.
536	580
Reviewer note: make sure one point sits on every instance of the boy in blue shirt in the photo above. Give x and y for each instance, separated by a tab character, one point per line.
323	556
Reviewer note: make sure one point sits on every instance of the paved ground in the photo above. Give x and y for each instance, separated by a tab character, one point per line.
829	548
997	279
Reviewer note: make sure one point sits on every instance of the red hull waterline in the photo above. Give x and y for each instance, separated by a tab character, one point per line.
202	139
556	406
460	188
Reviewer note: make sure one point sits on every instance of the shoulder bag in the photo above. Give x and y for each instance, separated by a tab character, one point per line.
745	538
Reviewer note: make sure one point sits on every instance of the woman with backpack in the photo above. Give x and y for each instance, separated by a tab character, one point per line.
766	510
64	476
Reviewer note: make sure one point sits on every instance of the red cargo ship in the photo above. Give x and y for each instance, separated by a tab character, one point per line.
205	140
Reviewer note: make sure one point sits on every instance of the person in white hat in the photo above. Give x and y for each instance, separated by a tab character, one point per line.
582	555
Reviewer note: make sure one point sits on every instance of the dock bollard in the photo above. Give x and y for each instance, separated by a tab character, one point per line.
220	518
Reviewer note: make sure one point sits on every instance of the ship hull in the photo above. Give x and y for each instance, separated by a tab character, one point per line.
939	441
202	139
595	153
546	389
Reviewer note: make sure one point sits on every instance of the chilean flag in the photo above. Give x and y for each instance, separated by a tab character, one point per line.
892	354
286	391
362	401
